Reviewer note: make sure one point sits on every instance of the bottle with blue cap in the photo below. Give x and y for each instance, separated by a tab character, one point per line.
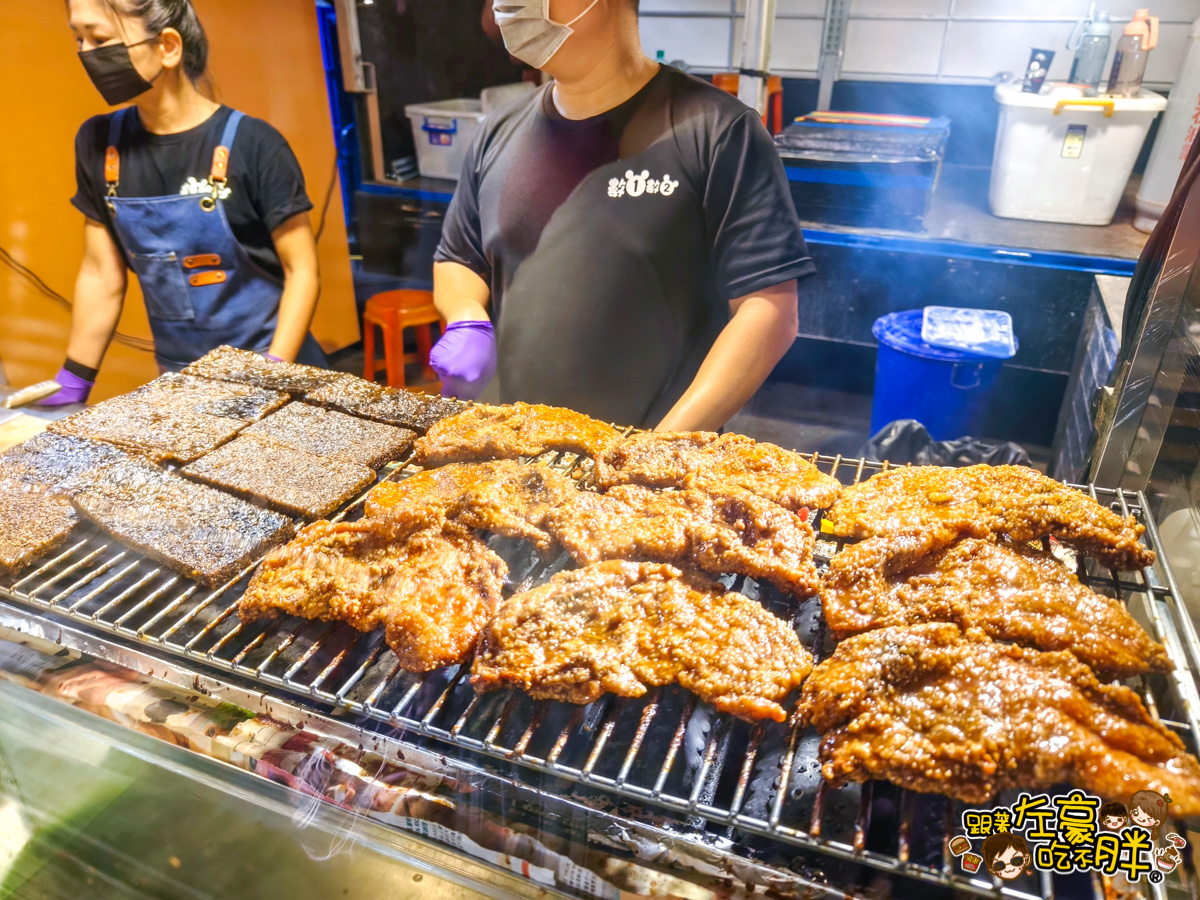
1090	40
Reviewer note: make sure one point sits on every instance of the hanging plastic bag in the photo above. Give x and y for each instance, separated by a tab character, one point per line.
907	441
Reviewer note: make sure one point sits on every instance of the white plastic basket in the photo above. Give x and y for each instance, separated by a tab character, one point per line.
1062	157
442	132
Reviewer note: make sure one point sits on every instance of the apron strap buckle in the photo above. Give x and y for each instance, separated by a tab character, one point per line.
112	175
218	177
209	203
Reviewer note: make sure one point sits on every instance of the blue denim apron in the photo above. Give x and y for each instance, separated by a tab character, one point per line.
202	288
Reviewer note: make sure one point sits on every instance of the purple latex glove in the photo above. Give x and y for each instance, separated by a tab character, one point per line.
269	358
74	390
465	359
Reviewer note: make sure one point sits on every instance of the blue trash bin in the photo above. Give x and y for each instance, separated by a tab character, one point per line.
947	391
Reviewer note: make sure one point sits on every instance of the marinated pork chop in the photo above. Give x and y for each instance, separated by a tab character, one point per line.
668	459
929	708
979	501
431	589
1010	591
719	530
507	432
504	497
621	627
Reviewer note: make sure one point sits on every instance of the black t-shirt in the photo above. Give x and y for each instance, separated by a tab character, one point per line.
614	245
265	189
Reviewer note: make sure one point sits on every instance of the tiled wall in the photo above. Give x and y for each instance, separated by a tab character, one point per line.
950	41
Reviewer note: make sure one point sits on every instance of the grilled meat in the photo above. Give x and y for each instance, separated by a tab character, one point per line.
511	431
431	589
160	432
327	432
213	398
1010	591
423	497
245	367
929	708
596	527
33	519
621	627
502	497
719	530
384	404
283	478
673	459
203	533
979	501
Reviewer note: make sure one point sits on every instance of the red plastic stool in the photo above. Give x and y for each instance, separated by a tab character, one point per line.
393	312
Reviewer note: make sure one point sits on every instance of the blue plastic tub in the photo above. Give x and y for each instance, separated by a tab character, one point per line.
947	391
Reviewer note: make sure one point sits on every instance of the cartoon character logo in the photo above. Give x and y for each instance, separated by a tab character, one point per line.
1167	859
1149	810
1113	816
1006	855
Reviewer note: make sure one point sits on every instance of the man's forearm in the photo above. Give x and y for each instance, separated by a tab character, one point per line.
94	319
459	294
301	289
745	352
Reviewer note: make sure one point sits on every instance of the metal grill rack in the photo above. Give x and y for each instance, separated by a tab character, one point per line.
666	750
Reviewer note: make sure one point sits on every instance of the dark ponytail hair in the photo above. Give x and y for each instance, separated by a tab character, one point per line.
158	15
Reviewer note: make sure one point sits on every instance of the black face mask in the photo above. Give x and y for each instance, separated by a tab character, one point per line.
113	73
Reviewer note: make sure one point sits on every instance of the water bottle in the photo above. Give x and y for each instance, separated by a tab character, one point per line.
1129	62
1090	40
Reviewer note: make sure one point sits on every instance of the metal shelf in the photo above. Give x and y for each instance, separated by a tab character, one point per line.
667	750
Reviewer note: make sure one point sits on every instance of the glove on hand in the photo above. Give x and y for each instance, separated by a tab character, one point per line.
465	359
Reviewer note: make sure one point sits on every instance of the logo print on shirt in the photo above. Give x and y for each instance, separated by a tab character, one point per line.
642	183
192	186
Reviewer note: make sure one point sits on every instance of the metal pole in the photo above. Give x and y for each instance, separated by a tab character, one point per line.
359	78
759	26
833	43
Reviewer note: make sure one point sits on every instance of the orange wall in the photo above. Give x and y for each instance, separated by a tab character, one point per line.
265	60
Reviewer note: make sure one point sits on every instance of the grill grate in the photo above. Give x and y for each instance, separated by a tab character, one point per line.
666	749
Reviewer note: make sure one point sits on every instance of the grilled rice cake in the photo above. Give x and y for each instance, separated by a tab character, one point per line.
197	530
213	398
160	432
326	432
384	404
284	478
49	459
33	519
244	367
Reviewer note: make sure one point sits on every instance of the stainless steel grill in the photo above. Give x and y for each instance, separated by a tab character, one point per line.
665	750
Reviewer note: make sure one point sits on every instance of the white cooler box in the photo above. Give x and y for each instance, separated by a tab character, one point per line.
1062	157
442	132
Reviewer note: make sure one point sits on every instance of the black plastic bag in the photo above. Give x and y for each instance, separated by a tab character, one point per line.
907	441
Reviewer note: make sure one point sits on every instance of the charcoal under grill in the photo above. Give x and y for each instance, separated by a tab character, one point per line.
747	784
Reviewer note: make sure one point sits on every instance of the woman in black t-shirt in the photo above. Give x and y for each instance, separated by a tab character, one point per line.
206	205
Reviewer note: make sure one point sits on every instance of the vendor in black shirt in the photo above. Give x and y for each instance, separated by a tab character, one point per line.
205	204
626	230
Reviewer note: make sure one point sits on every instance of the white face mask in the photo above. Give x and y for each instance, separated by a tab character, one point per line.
528	31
